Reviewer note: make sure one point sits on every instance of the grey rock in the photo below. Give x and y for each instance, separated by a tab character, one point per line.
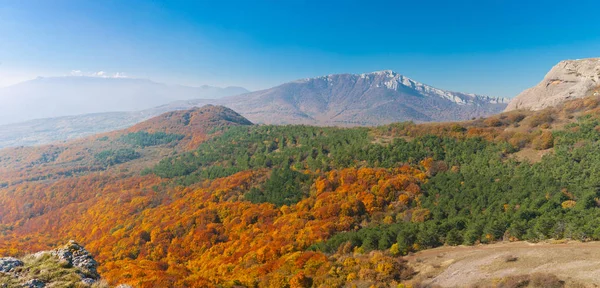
88	281
34	283
77	256
40	254
7	264
124	286
569	79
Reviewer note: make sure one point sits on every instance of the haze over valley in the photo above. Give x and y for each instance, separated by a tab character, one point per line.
367	99
76	95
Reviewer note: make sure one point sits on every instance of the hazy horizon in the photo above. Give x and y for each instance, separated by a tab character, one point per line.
495	48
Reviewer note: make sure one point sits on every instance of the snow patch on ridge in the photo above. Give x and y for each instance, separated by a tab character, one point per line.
395	81
391	80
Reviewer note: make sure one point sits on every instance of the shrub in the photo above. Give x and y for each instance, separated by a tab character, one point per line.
540	118
514	282
568	204
546	281
454	238
515	117
492	122
543	141
144	139
284	187
113	157
519	140
457	128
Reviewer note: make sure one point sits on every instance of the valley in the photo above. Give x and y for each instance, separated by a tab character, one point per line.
205	198
347	100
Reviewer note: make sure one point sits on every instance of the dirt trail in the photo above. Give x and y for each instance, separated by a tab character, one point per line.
465	266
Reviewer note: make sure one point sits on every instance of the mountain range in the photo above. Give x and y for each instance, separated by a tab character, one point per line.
335	100
78	95
360	100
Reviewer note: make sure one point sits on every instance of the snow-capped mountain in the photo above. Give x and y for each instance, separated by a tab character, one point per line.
342	99
394	81
360	99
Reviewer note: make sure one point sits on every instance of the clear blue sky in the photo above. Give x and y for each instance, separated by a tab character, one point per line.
489	47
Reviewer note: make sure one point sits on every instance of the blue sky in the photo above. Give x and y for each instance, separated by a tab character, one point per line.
491	47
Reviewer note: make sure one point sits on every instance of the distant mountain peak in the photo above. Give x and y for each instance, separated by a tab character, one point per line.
361	99
395	81
50	97
387	73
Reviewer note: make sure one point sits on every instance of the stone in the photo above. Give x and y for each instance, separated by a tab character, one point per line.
77	256
34	283
7	264
88	281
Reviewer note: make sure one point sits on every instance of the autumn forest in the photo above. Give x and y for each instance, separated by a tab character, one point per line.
204	198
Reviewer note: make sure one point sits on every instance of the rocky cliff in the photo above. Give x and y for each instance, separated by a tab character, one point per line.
569	79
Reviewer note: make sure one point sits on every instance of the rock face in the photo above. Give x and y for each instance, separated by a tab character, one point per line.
77	256
569	79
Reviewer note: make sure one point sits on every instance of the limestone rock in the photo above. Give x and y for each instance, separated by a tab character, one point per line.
569	79
77	256
88	281
34	283
7	264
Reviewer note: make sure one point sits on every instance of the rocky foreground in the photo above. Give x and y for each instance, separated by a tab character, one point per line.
68	266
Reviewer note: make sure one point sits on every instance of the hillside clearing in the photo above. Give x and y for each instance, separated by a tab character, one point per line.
472	266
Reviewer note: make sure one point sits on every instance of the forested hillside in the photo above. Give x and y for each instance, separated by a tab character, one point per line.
209	200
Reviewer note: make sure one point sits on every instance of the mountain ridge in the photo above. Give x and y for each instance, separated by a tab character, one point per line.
366	99
360	99
407	81
50	97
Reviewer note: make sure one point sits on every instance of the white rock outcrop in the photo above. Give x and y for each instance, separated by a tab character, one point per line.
569	79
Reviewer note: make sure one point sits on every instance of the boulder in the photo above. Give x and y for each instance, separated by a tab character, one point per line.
77	256
7	264
88	281
34	283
